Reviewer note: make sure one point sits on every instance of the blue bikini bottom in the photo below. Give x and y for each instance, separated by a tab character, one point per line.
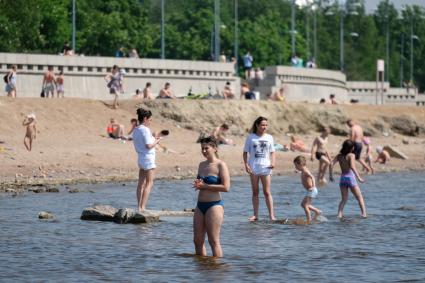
204	206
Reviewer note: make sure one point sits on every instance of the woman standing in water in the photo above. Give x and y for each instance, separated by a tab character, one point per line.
260	148
144	144
347	162
213	178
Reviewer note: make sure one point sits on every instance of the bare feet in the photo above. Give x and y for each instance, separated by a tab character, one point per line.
253	218
364	216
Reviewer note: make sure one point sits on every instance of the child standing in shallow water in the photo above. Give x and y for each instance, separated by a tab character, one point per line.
346	160
31	131
307	179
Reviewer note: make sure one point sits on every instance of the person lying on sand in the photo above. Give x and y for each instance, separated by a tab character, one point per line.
115	130
297	145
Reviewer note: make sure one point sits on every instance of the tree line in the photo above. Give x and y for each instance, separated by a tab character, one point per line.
264	28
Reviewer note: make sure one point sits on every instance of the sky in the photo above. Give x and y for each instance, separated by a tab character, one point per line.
372	4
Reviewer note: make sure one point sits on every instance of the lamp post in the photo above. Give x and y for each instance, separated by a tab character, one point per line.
73	25
401	59
236	43
343	11
217	30
293	26
162	30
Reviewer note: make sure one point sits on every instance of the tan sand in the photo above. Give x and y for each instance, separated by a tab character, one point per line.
72	146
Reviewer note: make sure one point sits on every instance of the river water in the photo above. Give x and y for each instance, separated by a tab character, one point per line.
387	247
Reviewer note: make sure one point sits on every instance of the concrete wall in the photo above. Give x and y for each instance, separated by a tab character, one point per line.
366	93
304	84
84	76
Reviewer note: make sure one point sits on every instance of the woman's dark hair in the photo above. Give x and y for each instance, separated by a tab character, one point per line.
142	114
148	84
256	123
347	147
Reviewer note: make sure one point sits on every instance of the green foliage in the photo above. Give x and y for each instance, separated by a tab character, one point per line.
103	26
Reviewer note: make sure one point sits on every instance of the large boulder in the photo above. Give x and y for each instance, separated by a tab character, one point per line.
127	215
405	125
99	212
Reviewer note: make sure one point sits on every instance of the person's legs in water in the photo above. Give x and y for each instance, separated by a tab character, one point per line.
213	221
199	230
255	198
265	181
344	198
359	197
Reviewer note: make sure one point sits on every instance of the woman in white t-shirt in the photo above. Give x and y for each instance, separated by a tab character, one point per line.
259	147
144	144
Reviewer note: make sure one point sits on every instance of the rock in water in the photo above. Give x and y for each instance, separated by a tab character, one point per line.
45	215
99	212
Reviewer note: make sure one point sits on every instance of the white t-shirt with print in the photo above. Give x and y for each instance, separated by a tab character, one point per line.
141	137
259	149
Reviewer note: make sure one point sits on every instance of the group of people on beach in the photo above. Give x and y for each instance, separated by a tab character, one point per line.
259	158
49	86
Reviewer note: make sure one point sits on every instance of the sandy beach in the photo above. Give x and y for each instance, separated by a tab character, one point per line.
72	146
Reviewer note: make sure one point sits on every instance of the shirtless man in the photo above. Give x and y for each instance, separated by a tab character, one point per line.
356	135
166	92
320	151
147	91
49	81
219	134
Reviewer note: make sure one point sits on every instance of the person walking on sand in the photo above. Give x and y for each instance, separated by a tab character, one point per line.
320	151
356	136
10	80
114	84
144	144
213	178
31	131
259	146
307	180
49	81
346	159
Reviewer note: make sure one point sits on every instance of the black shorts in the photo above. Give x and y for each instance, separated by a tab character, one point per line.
358	149
247	68
319	155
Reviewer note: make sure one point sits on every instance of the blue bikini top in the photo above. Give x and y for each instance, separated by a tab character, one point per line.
210	179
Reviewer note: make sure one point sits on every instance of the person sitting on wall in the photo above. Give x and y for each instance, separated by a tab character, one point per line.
166	92
332	99
278	95
227	92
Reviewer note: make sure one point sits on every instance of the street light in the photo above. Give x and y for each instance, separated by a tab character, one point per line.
73	25
343	11
162	30
293	26
236	44
217	30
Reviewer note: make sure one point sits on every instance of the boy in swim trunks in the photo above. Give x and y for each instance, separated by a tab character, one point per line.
307	179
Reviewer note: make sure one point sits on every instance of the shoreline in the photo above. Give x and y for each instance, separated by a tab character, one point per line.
26	186
72	147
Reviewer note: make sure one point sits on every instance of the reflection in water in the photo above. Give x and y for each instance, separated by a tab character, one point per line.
384	247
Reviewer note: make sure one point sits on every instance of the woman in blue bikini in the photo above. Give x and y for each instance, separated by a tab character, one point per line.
349	173
213	178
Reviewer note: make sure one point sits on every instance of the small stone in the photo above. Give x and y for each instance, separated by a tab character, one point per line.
45	215
178	169
37	190
52	190
8	190
73	190
405	141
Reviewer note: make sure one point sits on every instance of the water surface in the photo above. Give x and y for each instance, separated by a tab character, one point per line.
386	247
